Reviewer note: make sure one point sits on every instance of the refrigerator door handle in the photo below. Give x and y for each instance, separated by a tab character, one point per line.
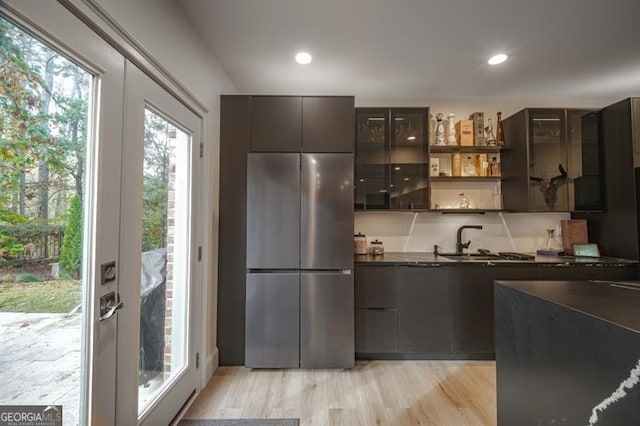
327	271
272	271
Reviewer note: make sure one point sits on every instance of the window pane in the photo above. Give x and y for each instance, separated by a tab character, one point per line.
44	99
165	246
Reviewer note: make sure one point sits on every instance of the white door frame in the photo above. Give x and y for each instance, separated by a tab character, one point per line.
142	92
56	25
70	25
90	12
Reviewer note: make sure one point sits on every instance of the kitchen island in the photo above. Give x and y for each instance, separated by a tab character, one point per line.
567	352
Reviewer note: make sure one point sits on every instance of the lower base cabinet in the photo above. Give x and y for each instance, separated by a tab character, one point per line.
445	312
424	325
472	303
376	330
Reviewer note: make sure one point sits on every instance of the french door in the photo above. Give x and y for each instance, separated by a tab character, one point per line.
138	274
156	349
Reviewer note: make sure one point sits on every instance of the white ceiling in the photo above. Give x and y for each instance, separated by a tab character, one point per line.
573	49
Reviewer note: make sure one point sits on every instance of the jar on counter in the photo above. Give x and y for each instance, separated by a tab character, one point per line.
376	248
359	243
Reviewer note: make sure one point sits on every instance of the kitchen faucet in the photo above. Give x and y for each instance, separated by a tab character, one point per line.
459	244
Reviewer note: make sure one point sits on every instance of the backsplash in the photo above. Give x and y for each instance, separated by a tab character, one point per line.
410	231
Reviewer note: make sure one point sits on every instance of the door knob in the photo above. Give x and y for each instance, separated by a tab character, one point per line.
108	306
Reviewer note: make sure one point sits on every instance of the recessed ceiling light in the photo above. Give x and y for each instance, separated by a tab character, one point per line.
411	138
303	58
497	59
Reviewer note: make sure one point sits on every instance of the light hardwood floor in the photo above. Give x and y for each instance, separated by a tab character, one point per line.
374	392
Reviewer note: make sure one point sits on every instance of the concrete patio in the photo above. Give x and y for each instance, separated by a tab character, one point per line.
40	361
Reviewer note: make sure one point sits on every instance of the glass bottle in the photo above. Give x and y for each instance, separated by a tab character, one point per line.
490	138
439	129
551	246
494	167
432	129
482	165
451	130
499	130
469	168
456	164
464	202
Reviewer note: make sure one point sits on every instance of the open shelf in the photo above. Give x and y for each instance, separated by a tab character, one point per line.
447	149
465	178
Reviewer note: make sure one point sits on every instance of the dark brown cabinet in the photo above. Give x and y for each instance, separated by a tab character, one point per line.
424	324
391	158
328	123
376	287
276	123
376	316
621	273
472	304
561	272
302	123
433	311
263	124
554	161
376	331
617	230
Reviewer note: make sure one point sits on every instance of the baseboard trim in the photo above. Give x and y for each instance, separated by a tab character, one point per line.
213	360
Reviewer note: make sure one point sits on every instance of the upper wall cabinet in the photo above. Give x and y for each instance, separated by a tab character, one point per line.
327	123
276	123
554	162
392	158
302	123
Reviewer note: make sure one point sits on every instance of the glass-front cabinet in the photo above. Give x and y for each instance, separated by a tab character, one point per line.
554	161
392	158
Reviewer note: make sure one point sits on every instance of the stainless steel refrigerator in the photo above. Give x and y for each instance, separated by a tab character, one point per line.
300	299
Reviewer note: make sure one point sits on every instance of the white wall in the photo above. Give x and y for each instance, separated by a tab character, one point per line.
162	28
398	232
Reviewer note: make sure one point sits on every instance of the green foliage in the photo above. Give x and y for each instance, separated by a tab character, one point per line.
20	105
12	218
10	248
156	182
154	219
43	126
71	251
31	231
26	278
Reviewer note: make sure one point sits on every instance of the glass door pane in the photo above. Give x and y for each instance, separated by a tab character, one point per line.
372	159
409	184
548	165
585	160
44	287
164	290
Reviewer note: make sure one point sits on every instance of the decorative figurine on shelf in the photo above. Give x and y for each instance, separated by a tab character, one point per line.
451	130
432	129
439	129
549	187
499	130
490	138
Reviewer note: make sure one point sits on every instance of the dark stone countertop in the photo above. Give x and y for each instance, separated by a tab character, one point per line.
416	258
617	302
